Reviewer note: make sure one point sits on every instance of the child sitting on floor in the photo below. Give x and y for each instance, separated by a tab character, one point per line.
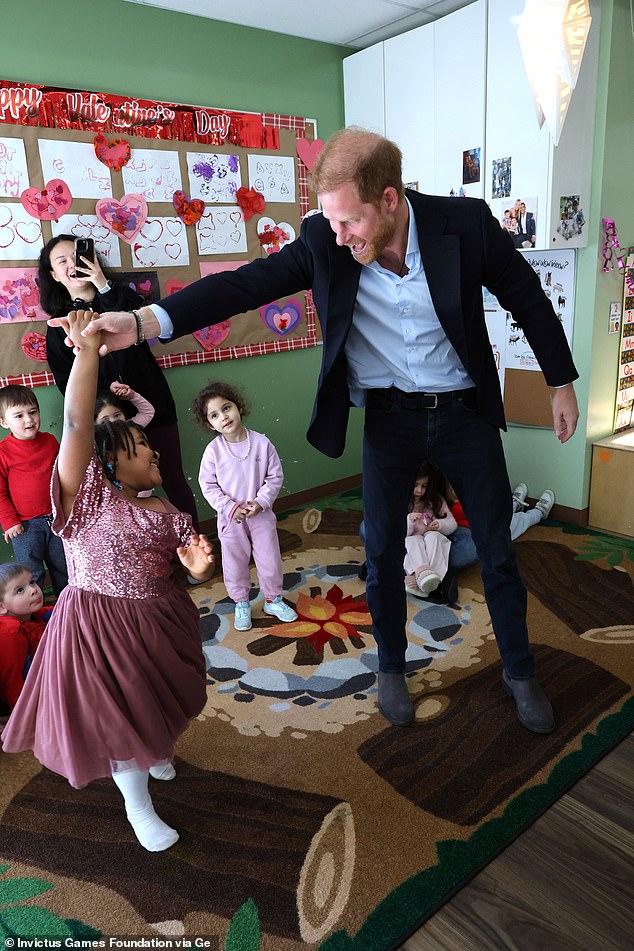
428	524
23	618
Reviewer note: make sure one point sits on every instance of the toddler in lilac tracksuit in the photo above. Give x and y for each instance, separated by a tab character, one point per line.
241	476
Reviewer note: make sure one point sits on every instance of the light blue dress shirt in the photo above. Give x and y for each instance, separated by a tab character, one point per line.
396	338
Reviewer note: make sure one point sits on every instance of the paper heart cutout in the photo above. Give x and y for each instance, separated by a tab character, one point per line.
281	320
272	236
189	210
124	218
114	154
47	203
308	151
34	346
210	337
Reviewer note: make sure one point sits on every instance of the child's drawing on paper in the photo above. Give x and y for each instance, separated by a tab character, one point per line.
213	177
20	233
221	231
77	164
14	176
152	173
273	176
161	242
19	295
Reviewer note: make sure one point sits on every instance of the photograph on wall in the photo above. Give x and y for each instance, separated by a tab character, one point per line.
164	191
571	217
519	218
501	178
471	166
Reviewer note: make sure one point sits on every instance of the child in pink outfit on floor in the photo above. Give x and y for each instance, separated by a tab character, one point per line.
428	524
241	476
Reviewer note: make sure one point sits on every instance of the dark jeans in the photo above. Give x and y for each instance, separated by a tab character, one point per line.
469	452
37	546
166	441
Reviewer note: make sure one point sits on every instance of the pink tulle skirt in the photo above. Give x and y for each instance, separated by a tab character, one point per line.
112	679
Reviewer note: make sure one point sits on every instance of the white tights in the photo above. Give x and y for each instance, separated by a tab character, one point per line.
153	834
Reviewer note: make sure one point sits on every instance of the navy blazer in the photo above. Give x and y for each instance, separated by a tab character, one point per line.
462	247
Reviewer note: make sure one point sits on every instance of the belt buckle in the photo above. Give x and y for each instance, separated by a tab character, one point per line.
435	396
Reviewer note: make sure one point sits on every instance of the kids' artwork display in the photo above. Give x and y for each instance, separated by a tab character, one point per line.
169	193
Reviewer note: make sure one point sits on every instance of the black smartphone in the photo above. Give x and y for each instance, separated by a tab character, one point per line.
84	248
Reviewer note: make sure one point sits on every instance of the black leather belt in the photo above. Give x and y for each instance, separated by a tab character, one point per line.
391	396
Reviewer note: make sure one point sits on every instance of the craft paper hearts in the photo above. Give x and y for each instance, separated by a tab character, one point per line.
124	218
47	203
281	320
308	151
251	202
274	236
34	346
210	337
189	210
114	154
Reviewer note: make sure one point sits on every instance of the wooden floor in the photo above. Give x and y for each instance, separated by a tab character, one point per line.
567	883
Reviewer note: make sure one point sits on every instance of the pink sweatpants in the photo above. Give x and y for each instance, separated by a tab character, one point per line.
238	541
430	550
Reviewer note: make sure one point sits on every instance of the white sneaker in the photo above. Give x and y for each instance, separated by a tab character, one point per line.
519	496
545	502
427	583
242	616
279	609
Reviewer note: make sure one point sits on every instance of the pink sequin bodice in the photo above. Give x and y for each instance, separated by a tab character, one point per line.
114	547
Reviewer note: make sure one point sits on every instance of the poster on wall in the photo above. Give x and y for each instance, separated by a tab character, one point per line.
167	192
556	272
624	408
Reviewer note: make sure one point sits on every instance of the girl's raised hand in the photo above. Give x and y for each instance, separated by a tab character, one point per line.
78	320
198	559
122	390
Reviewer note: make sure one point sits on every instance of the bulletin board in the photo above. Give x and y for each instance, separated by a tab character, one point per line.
168	192
526	394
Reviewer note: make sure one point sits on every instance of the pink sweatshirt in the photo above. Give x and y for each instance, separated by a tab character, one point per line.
446	521
226	481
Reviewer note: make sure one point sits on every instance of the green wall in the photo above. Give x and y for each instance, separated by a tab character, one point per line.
138	50
535	456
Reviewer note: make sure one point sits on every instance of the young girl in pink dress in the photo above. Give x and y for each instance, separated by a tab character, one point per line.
428	524
120	671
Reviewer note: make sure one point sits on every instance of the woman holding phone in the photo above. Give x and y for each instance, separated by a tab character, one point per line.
71	276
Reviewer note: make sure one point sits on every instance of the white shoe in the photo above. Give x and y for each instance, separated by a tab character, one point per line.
519	496
164	772
427	583
242	616
277	608
545	502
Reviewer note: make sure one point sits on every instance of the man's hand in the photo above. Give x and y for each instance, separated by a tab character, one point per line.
118	329
565	412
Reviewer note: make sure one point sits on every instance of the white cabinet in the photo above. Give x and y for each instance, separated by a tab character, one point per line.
409	103
364	89
460	83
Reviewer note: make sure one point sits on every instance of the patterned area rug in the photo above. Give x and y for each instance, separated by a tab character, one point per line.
306	821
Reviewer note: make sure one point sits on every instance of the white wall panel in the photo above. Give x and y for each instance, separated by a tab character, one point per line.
364	89
409	103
